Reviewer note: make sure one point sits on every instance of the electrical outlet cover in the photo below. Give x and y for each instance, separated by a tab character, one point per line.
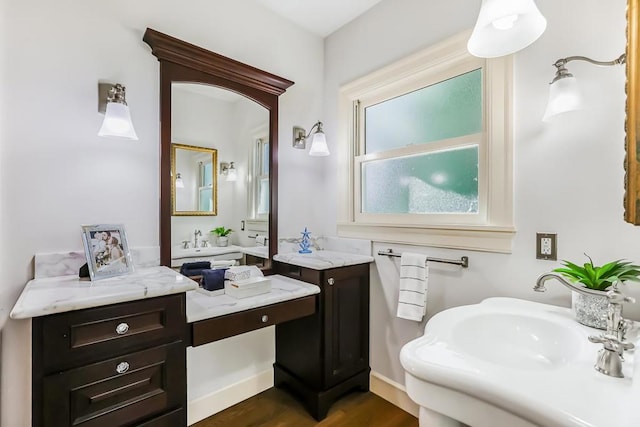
546	246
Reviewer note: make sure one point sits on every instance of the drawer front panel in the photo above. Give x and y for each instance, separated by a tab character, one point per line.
175	418
117	391
217	328
88	335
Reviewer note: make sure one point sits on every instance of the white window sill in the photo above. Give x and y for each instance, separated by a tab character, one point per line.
470	237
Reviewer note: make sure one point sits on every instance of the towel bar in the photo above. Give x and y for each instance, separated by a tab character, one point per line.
463	261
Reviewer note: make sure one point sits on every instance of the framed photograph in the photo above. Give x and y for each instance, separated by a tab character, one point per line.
107	251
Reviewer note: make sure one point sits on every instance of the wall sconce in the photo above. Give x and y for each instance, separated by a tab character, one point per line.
229	171
564	93
505	27
318	142
117	119
179	181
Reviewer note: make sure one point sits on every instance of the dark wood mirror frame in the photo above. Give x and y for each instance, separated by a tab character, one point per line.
183	62
632	125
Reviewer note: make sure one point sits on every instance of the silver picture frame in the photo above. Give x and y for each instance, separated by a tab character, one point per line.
107	250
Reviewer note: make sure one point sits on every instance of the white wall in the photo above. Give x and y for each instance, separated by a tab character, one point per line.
568	173
56	174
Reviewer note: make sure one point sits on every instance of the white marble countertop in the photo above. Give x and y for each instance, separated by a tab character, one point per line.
42	297
322	260
256	251
201	307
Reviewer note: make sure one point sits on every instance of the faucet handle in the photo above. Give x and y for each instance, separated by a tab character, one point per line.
617	297
612	343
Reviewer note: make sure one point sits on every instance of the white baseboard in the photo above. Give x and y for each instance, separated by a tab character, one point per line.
393	392
212	403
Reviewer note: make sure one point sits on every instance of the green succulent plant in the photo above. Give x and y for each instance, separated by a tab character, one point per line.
600	278
222	231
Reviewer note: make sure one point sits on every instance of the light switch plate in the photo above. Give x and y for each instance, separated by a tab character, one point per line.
547	246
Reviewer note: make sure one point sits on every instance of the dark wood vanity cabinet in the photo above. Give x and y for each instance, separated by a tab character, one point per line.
116	365
322	357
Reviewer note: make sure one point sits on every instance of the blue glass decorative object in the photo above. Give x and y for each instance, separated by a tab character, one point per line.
305	244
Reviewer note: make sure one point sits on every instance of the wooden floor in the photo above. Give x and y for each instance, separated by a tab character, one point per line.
277	408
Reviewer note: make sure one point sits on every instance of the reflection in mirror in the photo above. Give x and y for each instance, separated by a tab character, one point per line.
227	127
184	62
194	190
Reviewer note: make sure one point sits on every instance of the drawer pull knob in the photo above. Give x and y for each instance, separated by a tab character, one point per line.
265	318
122	367
331	281
122	329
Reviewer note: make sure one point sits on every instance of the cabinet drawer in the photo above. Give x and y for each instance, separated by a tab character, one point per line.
118	391
88	335
217	328
175	418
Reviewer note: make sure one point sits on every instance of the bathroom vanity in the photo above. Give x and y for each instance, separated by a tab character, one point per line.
109	352
113	351
323	356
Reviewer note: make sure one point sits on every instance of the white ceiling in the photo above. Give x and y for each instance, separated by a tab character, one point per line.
321	17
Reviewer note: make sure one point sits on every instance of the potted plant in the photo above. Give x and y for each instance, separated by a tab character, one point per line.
222	233
591	310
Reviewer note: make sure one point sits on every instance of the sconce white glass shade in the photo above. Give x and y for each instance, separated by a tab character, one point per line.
319	145
117	122
232	174
179	181
564	96
504	27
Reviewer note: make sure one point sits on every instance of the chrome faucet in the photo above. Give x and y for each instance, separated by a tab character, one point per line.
617	326
195	235
539	287
611	356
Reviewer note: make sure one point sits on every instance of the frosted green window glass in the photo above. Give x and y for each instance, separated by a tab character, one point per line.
264	159
438	182
206	174
206	199
447	109
263	196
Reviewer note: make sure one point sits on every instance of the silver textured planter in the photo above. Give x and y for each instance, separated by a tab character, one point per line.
590	310
223	241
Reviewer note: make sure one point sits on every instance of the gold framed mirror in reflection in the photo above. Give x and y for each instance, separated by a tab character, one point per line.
194	172
632	167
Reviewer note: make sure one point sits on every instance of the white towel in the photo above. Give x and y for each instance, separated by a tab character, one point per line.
414	275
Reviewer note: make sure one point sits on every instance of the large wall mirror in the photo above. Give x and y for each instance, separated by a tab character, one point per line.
219	131
632	165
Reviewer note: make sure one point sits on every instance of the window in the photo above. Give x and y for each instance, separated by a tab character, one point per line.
430	151
260	180
205	186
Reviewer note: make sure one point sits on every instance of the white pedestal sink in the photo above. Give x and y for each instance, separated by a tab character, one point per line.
513	363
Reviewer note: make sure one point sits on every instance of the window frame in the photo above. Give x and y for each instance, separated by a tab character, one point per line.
256	176
492	228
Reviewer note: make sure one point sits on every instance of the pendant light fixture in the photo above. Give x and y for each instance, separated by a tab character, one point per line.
505	27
